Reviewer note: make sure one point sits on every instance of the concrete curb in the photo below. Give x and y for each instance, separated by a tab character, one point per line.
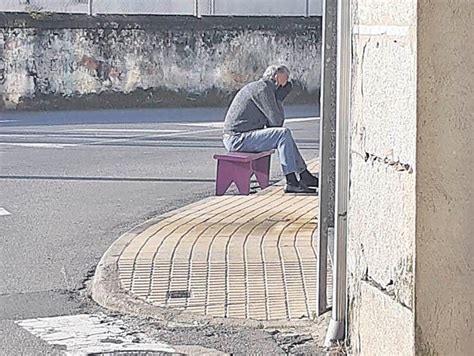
105	288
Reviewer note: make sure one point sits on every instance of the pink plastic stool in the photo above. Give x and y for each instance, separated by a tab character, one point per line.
238	167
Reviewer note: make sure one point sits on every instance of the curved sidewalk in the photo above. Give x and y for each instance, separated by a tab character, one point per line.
245	257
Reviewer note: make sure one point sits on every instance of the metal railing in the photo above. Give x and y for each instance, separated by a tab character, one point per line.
169	7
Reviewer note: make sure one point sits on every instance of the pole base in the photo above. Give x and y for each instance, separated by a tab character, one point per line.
335	332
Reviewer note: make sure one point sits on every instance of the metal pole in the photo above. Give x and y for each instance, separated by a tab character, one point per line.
307	8
336	330
212	7
196	8
327	154
89	7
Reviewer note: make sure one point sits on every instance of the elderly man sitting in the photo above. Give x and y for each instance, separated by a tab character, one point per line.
254	121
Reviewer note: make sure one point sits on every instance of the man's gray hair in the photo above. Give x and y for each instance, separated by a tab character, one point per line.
272	70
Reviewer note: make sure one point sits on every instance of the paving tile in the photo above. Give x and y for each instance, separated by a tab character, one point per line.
237	256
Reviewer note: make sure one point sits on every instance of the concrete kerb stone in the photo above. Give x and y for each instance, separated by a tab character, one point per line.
105	288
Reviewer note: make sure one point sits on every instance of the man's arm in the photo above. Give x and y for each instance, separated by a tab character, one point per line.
266	102
282	92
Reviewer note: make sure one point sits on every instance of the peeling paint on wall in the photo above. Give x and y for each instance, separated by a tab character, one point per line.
212	59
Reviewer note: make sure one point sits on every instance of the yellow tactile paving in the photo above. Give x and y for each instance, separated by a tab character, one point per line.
232	256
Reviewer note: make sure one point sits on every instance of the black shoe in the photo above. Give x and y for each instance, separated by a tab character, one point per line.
300	188
310	181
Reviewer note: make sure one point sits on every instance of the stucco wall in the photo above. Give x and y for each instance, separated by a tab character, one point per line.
444	293
63	61
411	238
381	216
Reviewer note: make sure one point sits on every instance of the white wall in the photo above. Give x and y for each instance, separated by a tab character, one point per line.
185	7
165	7
268	7
411	236
68	6
174	59
381	217
444	288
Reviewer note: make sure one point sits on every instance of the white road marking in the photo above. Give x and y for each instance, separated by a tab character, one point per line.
4	212
173	134
38	145
16	135
221	124
124	130
142	133
91	333
302	119
191	132
201	124
8	120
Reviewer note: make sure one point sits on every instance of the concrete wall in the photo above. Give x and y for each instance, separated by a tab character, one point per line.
411	238
268	7
444	293
181	7
61	61
381	216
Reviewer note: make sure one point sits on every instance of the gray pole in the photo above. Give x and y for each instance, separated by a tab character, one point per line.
327	154
196	8
89	7
306	12
212	10
336	330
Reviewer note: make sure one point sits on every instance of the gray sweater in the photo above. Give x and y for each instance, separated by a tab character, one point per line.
256	105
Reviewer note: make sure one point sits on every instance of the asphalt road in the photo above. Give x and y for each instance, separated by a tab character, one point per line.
73	182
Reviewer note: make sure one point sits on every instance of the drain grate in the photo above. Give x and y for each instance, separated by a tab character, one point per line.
178	294
135	353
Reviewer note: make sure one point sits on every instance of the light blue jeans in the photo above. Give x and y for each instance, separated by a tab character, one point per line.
279	138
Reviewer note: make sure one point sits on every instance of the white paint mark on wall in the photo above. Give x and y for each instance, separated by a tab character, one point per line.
84	334
4	212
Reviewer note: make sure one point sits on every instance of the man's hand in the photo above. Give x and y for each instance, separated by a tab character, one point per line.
282	92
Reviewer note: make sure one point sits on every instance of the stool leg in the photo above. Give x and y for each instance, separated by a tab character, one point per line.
241	176
223	177
261	167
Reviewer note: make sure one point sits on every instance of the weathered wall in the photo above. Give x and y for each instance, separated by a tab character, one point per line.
411	236
381	216
64	61
173	7
444	293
